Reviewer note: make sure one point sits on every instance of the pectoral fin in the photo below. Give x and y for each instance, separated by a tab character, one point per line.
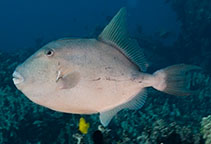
69	80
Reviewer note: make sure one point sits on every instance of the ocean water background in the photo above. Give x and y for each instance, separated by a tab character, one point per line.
23	22
169	31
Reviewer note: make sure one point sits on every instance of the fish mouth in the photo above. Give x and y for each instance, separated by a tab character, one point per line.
17	78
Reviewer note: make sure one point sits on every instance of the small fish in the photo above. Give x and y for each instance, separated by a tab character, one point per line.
98	75
163	34
83	126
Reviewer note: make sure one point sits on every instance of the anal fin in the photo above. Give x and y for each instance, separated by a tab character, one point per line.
136	103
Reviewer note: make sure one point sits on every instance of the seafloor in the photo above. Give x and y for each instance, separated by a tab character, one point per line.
163	119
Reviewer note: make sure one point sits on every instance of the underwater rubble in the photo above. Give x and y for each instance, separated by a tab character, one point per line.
163	119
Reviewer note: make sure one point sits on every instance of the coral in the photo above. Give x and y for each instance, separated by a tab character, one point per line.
78	137
206	129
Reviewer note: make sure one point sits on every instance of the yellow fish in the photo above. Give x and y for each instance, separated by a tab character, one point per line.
83	126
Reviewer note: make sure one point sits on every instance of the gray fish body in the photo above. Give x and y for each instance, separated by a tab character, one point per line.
86	76
103	72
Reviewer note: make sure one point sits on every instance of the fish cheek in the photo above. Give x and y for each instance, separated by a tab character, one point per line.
69	81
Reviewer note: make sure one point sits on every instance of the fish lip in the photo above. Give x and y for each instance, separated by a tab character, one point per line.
17	78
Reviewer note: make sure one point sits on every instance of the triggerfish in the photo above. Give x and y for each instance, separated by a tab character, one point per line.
98	75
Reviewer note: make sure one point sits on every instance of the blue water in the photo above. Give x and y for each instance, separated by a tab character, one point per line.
22	22
169	31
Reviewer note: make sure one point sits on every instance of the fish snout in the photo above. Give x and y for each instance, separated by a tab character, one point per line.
17	78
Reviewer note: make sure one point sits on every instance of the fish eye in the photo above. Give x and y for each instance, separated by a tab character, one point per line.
49	52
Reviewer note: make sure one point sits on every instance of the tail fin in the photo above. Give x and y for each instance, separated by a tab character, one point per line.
175	80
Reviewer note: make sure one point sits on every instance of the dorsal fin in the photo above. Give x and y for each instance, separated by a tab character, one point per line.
115	33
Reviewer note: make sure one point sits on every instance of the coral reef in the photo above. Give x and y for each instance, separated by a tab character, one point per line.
206	129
